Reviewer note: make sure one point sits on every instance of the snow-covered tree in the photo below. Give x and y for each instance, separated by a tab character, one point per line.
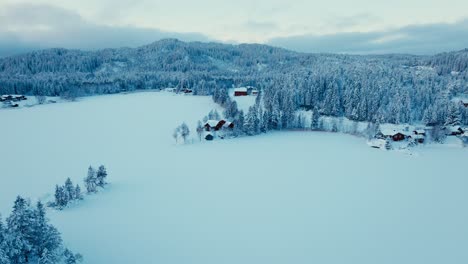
199	130
184	131
90	180
101	176
69	190
175	134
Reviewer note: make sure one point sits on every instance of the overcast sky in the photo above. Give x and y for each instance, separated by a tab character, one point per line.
358	26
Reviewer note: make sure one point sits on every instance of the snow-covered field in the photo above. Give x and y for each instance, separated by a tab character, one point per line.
295	197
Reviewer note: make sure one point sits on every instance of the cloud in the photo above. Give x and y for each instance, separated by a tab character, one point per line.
29	27
413	39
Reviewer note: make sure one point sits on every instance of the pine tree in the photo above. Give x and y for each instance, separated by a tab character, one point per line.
69	190
46	258
47	238
3	244
90	180
71	258
78	194
251	122
21	226
314	122
101	176
453	115
61	197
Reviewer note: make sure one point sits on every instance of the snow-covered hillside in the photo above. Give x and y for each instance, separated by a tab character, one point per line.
293	197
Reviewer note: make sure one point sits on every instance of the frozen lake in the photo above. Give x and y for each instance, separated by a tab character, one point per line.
285	197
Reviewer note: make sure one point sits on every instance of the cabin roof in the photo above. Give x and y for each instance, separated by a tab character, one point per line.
240	89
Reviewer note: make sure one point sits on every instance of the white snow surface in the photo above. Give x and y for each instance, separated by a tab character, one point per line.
294	197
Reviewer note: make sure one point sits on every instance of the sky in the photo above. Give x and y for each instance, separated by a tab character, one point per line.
335	26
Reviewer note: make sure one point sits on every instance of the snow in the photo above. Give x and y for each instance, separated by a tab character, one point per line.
292	197
377	143
243	102
240	89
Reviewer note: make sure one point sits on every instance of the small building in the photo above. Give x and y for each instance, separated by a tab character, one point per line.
393	134
464	102
241	91
420	132
454	131
20	97
188	91
254	92
211	125
419	138
209	137
228	125
216	125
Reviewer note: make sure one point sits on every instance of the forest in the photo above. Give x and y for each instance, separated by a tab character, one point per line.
393	88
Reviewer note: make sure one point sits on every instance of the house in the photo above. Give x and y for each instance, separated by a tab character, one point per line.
188	91
419	138
453	131
464	102
5	98
215	125
228	125
10	104
211	125
209	137
393	134
421	132
254	92
241	91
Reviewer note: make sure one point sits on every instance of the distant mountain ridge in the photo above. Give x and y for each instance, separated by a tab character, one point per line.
360	87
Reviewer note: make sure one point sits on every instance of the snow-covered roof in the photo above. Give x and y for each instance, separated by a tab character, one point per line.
391	132
418	137
227	124
420	131
392	129
240	89
212	123
454	128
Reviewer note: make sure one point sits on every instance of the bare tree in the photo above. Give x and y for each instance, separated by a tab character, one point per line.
175	135
184	131
41	99
200	130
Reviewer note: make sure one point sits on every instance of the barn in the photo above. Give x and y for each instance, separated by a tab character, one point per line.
393	134
240	91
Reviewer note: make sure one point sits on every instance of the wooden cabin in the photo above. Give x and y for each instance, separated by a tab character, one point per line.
240	91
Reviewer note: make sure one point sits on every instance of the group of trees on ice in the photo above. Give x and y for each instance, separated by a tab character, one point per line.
95	178
69	192
28	237
181	131
384	88
66	194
